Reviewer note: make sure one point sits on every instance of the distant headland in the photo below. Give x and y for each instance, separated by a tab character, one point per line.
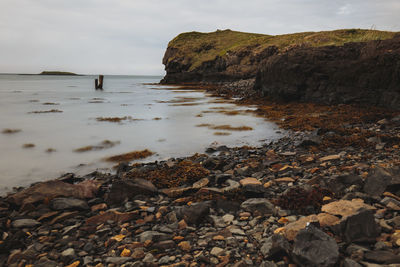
58	73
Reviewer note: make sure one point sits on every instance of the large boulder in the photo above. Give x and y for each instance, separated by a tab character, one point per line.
127	189
260	206
52	189
312	247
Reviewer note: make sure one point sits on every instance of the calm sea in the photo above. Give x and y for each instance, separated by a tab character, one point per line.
164	119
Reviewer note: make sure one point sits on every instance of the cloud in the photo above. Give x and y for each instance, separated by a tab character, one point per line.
130	36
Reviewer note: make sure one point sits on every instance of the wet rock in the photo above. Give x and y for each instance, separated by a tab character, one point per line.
258	206
127	189
153	236
216	251
68	255
340	183
232	186
351	263
68	203
196	213
25	223
53	189
275	245
115	216
117	260
268	264
377	181
359	227
312	247
249	181
385	257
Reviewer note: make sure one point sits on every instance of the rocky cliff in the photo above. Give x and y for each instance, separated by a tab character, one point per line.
363	73
342	66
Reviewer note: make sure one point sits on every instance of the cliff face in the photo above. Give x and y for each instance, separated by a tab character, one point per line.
363	73
343	66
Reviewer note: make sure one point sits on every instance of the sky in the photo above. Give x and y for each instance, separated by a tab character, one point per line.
129	37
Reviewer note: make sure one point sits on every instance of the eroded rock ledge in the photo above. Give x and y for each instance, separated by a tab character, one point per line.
343	66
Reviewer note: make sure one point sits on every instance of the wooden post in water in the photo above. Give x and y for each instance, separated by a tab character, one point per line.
101	77
98	83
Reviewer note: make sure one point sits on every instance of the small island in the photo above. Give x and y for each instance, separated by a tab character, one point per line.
58	73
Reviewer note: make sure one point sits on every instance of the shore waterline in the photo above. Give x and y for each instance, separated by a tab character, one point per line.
55	115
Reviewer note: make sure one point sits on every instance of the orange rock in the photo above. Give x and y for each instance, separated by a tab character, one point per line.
185	246
268	184
101	206
331	157
118	238
201	183
74	264
138	253
279	230
126	253
283	220
115	216
345	207
178	238
284	180
249	181
182	225
218	237
327	219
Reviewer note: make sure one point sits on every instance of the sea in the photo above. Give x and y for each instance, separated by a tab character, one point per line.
46	120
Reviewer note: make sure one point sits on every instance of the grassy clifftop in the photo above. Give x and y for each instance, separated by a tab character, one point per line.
196	48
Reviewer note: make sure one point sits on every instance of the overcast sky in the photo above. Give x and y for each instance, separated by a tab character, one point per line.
130	36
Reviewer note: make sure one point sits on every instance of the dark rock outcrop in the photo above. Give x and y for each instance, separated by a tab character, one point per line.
343	66
361	73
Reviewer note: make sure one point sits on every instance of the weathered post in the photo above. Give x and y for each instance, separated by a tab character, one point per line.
101	77
98	83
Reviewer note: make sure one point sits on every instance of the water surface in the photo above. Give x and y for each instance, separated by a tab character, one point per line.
164	119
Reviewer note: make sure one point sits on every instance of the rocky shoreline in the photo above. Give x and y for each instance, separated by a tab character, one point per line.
307	199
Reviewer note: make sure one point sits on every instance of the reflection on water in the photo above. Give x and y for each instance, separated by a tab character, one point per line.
45	120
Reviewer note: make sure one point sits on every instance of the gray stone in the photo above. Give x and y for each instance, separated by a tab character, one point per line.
68	254
127	189
274	245
351	263
216	251
382	256
377	181
117	260
268	264
312	247
218	221
153	236
237	231
149	258
25	223
259	206
163	260
196	213
232	186
228	218
68	204
360	227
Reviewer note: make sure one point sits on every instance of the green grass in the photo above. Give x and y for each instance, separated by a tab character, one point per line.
198	48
